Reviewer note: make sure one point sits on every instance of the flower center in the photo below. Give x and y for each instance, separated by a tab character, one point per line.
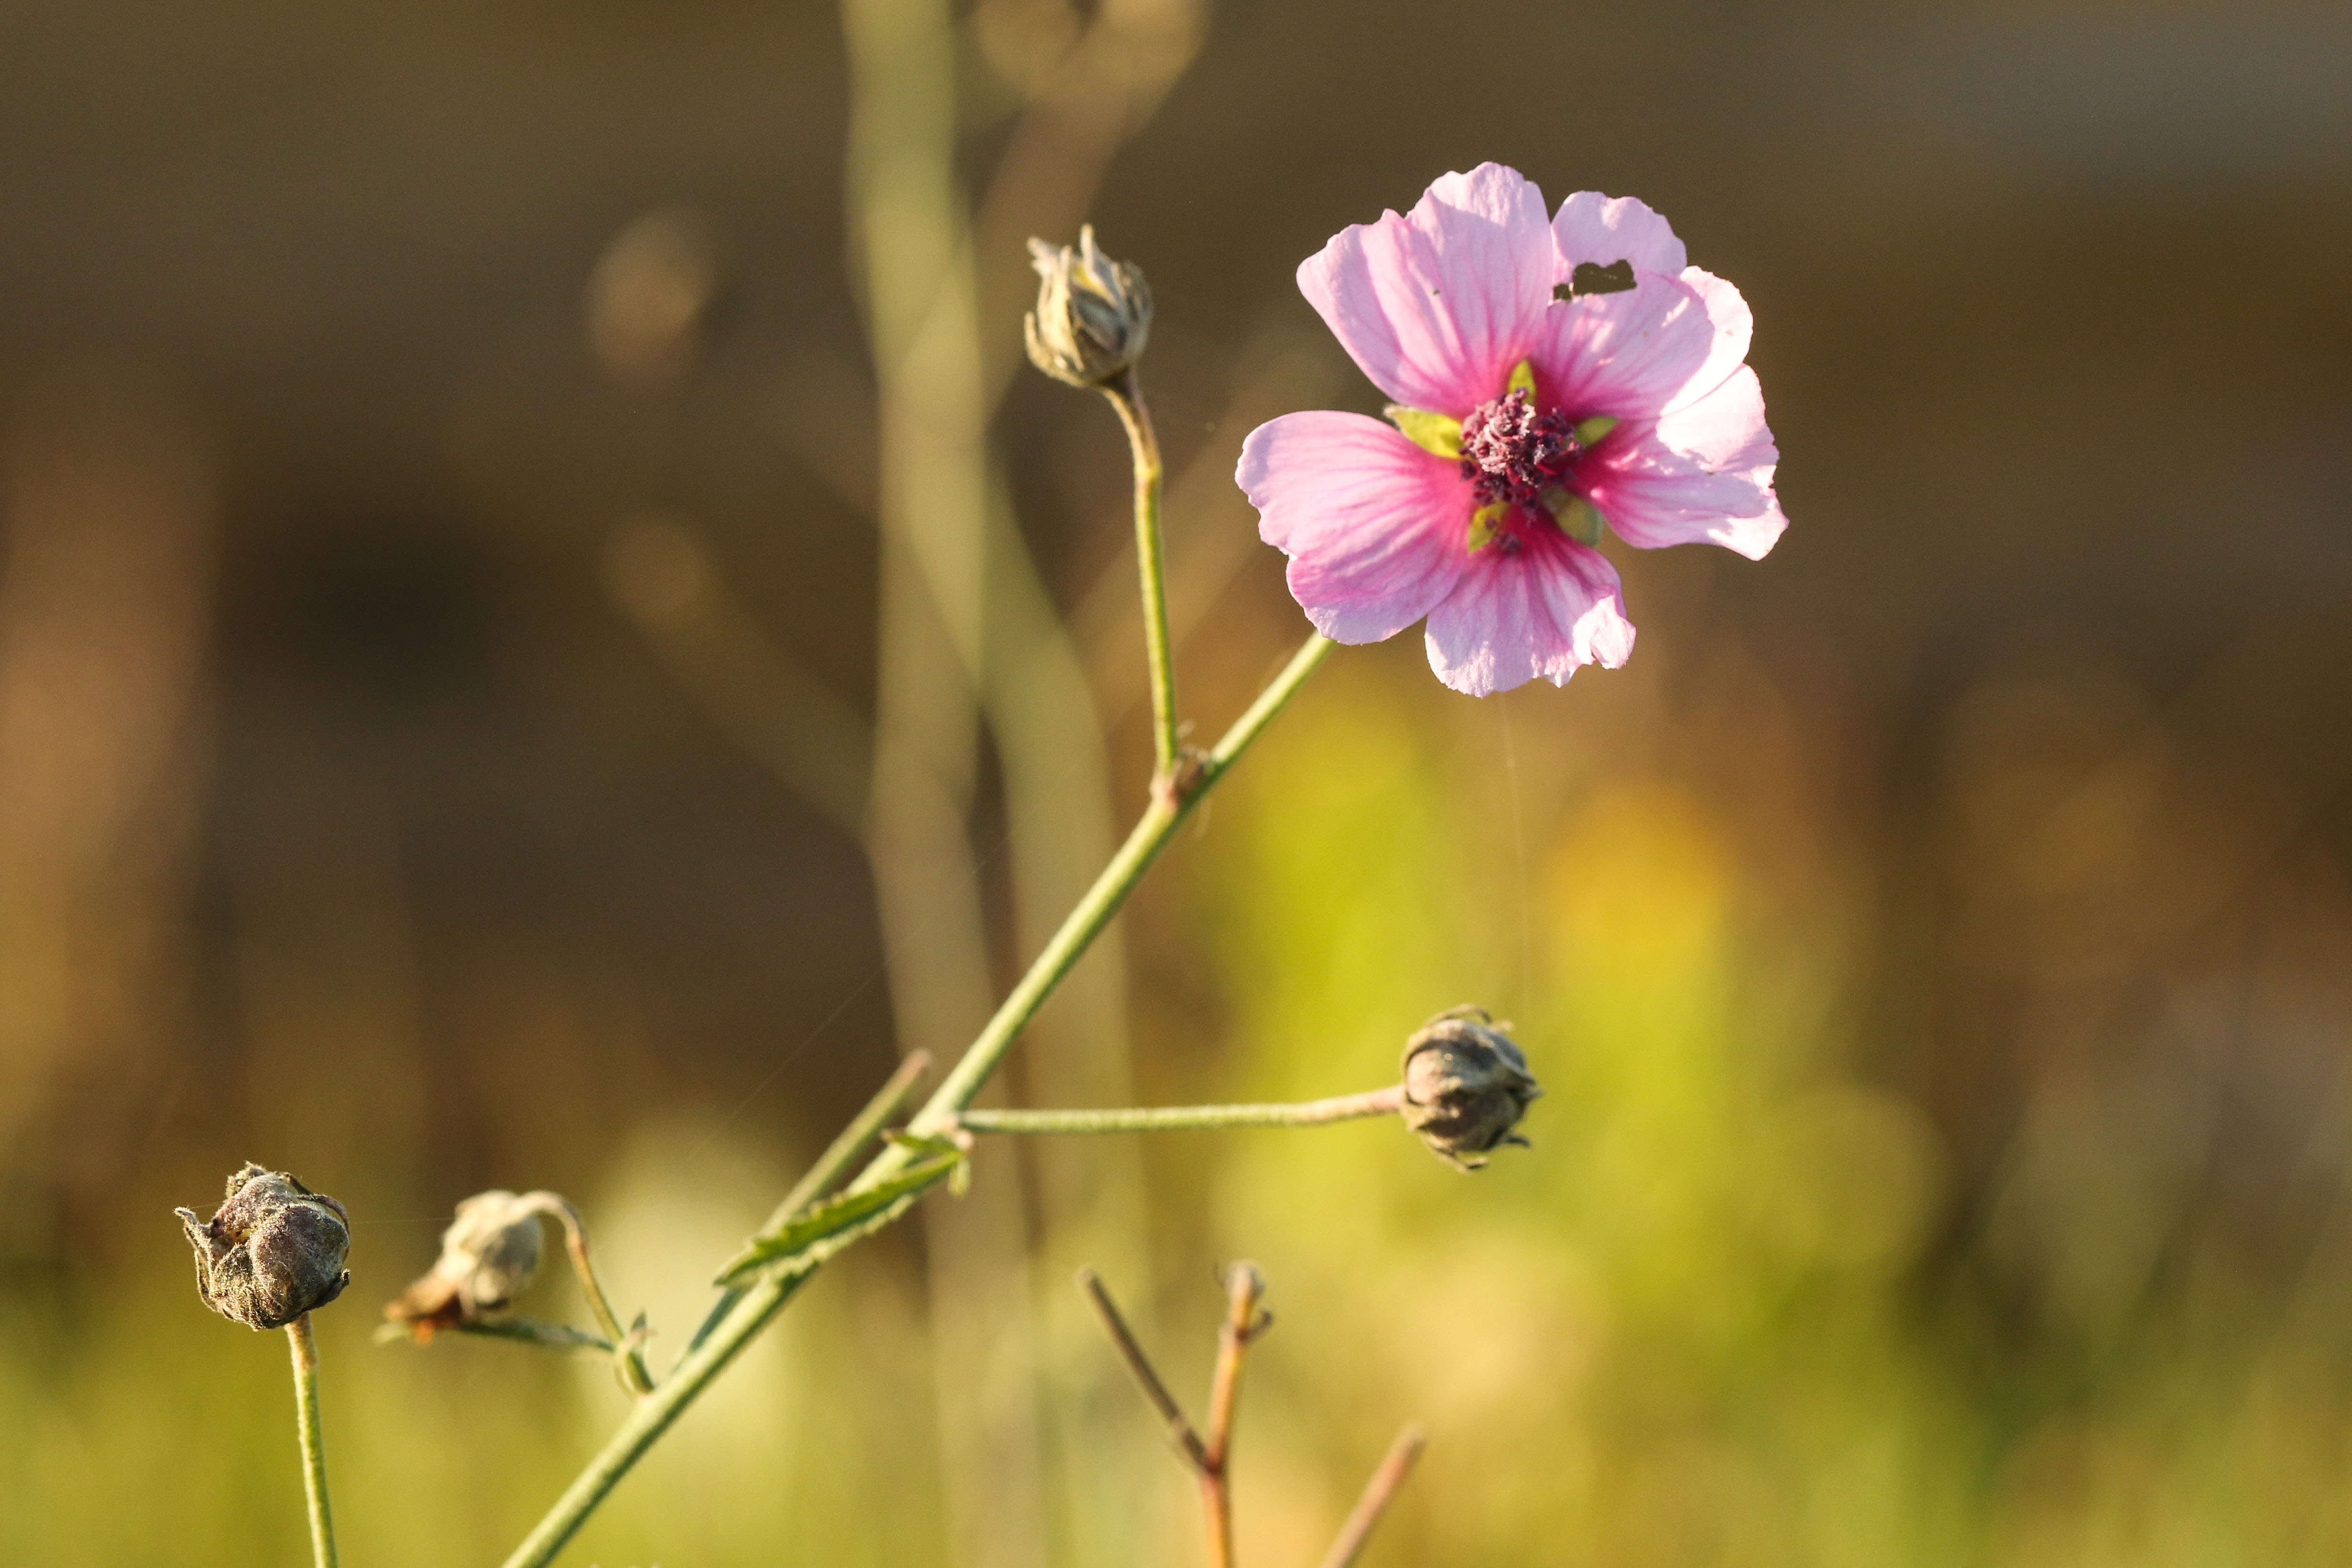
1512	452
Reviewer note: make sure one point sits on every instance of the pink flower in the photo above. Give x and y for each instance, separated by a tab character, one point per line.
1551	374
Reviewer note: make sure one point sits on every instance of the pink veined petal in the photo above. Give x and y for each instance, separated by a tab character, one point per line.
1630	354
1437	306
1700	475
1596	229
1554	605
1374	526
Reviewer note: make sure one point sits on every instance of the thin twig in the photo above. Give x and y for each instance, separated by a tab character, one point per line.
305	1349
1147	1376
1189	1118
1244	1286
1394	1469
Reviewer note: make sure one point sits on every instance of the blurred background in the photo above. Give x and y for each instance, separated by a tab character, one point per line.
546	633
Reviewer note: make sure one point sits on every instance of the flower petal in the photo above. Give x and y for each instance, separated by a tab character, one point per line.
1702	474
1543	611
1437	306
1373	525
1593	227
1631	354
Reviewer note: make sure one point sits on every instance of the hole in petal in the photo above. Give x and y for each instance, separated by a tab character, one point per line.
1591	277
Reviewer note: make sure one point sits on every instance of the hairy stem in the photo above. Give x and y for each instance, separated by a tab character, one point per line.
1189	1118
1126	395
314	1453
761	1301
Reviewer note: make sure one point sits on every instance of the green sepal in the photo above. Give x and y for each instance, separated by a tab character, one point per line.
1578	518
1590	432
1523	379
1429	432
824	1229
1485	522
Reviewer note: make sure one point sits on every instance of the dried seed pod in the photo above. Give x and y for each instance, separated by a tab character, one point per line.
1093	314
272	1251
487	1255
1466	1086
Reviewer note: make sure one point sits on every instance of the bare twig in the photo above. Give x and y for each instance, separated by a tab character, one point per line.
1147	1376
1383	1486
1244	1286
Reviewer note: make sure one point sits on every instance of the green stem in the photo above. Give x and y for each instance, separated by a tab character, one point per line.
761	1301
314	1454
1189	1118
1126	395
839	1155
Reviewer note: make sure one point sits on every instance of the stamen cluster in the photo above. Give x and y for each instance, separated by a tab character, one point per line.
1512	451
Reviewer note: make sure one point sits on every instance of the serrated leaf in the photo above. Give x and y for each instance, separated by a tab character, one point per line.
1429	432
845	1217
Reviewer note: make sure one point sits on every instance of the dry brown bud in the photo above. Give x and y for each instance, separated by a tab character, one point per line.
272	1251
1093	314
1465	1085
487	1255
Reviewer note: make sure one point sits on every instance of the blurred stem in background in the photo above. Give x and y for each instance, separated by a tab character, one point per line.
913	248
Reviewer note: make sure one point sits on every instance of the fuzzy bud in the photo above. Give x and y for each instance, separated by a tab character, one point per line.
273	1250
1093	314
1465	1085
487	1255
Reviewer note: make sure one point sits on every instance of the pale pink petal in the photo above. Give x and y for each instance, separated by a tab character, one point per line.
1593	227
1438	305
1700	475
1542	612
1375	527
1734	326
1630	354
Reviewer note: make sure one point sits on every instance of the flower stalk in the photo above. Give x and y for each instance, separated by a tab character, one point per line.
305	1348
1190	1118
1126	395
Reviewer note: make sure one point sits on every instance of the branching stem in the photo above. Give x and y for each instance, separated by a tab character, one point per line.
629	1358
760	1302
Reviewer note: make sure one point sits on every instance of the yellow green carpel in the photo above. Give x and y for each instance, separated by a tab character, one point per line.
1523	379
1430	432
1485	522
1578	518
1588	432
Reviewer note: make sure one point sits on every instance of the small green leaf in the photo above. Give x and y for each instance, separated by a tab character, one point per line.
1578	518
1590	432
1429	432
1485	522
1523	379
845	1217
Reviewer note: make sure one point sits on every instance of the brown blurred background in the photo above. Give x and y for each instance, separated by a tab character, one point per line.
438	590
